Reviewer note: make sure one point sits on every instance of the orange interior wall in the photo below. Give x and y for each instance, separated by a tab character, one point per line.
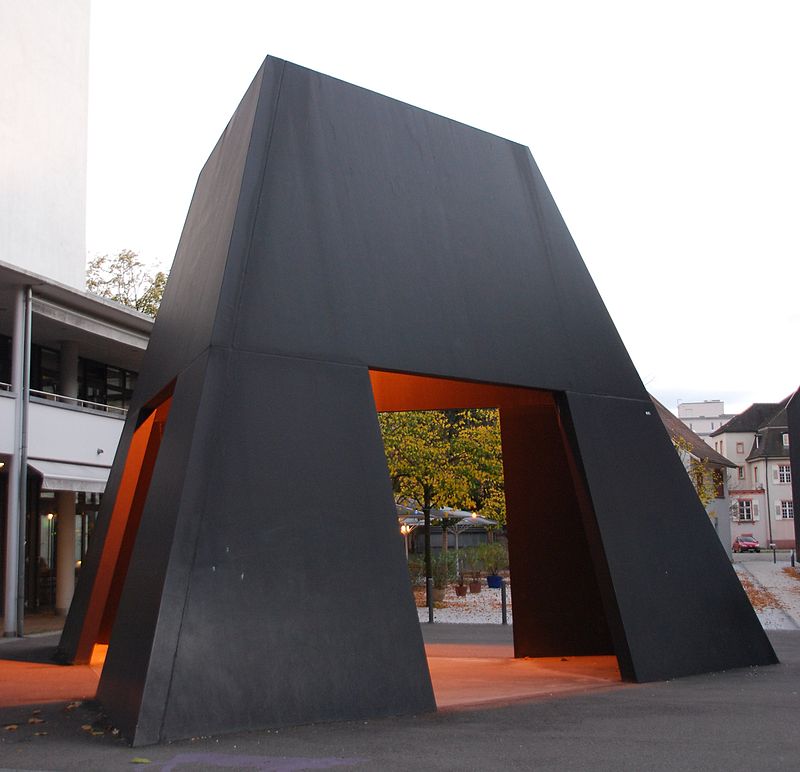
121	535
396	392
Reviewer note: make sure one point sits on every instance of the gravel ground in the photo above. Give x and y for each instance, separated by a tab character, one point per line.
773	589
480	608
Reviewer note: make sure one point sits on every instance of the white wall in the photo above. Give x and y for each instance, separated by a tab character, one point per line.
63	434
710	408
44	60
6	423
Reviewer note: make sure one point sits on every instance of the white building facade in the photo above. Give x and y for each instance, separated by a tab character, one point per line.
44	77
68	360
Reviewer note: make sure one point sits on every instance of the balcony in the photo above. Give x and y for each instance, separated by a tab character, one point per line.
75	403
63	428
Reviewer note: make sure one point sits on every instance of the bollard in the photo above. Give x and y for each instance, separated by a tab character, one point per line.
774	554
503	608
791	558
429	590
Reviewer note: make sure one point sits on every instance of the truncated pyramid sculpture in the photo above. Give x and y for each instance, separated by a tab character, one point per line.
345	252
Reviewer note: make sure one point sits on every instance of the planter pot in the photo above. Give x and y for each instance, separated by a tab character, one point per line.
438	594
475	585
461	590
494	581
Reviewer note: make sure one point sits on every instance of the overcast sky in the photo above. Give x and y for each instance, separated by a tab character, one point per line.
669	134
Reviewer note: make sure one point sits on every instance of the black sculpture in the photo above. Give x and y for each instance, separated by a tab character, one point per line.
345	251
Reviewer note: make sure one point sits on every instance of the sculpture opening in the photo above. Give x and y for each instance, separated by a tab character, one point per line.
558	602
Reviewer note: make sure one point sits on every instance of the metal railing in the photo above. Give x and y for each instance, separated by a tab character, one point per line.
82	403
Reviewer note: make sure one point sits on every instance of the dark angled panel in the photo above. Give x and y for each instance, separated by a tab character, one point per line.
400	228
144	635
196	309
558	607
190	309
682	608
298	591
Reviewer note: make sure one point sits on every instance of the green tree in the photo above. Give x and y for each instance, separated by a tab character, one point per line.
703	477
480	439
125	279
446	458
440	458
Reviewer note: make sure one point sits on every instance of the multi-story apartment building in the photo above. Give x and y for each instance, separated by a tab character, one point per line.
757	441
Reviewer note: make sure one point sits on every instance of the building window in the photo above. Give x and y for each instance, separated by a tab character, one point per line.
5	359
758	441
719	484
745	509
787	510
712	425
785	440
784	473
104	384
44	369
755	474
740	470
740	447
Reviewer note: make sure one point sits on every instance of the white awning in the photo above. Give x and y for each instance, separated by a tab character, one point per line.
61	476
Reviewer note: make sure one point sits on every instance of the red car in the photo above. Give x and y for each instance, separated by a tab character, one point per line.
746	543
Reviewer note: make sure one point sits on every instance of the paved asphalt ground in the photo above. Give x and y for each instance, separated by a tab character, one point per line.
735	720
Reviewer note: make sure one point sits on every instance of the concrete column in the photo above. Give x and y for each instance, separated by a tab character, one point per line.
68	365
13	599
65	550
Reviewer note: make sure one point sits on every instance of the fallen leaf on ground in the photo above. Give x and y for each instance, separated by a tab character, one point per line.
35	720
73	705
39	734
792	572
11	727
139	760
759	597
86	727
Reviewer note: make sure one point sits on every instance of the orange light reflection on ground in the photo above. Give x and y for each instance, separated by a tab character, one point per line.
467	675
